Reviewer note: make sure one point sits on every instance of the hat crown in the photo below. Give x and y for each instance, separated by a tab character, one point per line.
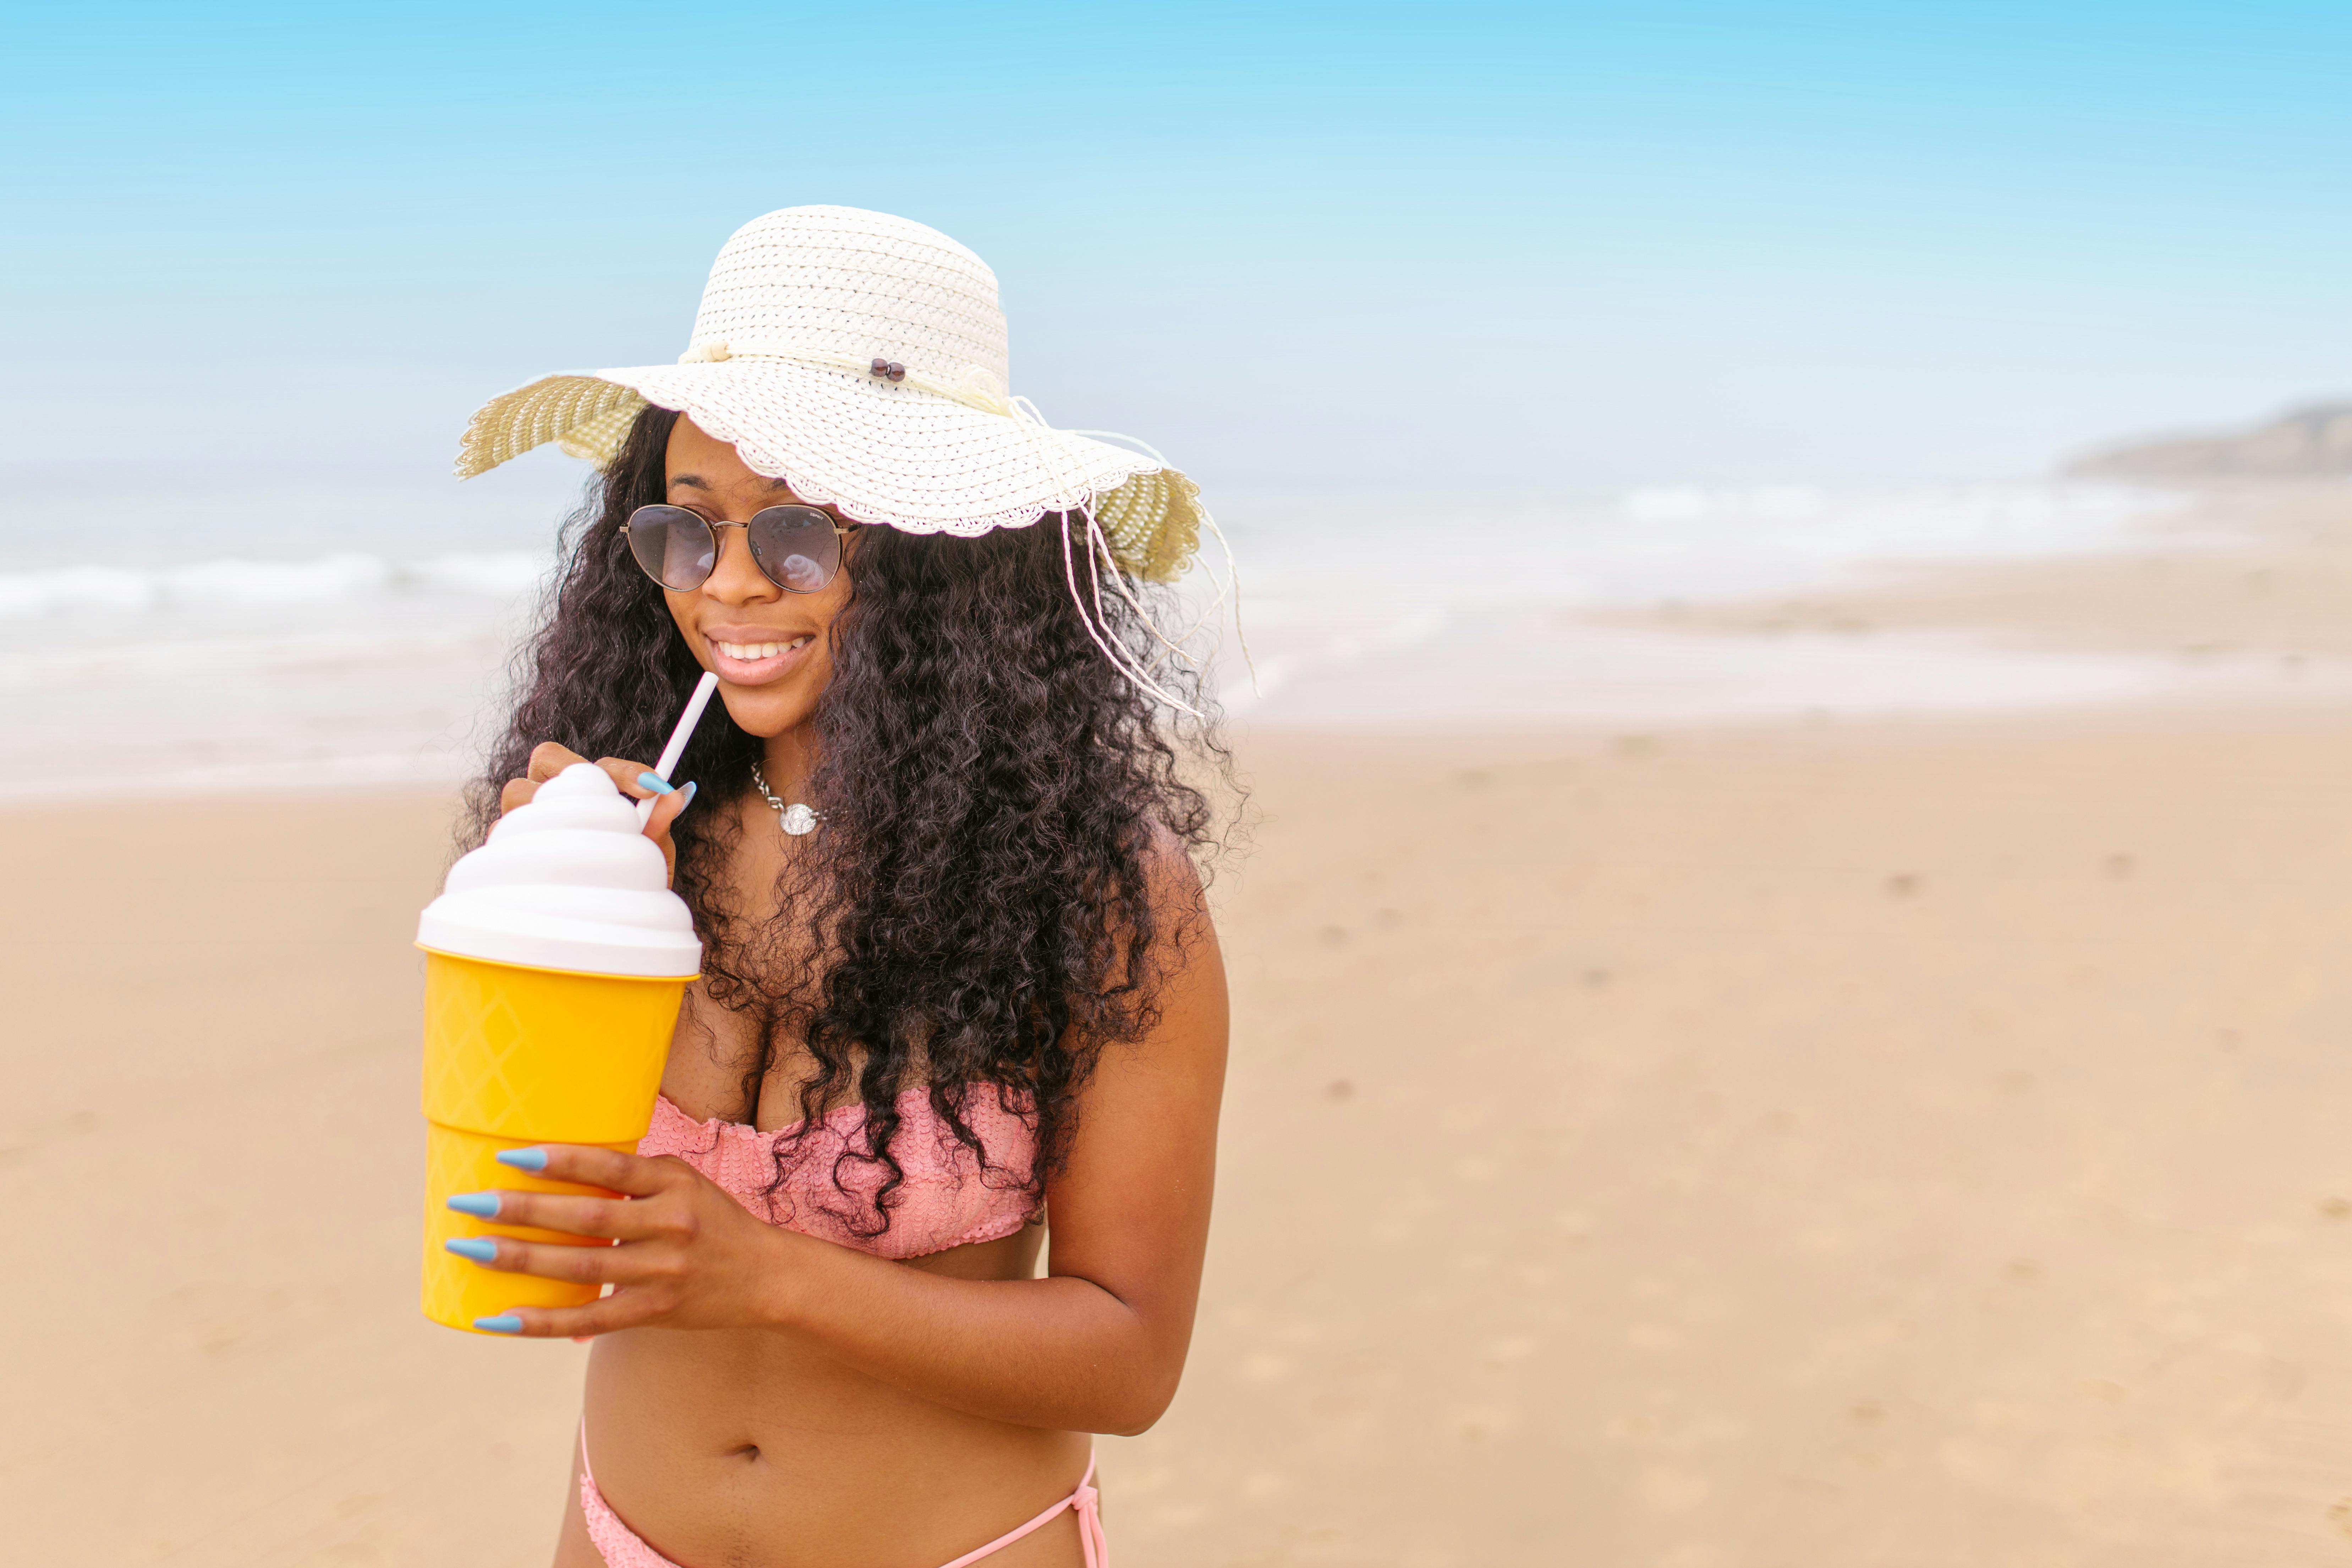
862	285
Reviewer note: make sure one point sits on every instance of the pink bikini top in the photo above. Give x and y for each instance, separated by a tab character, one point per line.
944	1200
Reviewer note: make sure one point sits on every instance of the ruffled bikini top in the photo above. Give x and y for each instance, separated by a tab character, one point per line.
945	1199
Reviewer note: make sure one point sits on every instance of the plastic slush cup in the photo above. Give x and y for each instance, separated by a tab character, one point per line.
556	957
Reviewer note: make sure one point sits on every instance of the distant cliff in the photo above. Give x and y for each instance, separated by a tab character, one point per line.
2315	442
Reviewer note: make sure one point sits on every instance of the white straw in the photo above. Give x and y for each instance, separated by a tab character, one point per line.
679	738
685	723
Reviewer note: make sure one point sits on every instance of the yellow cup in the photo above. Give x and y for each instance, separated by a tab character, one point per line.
516	1056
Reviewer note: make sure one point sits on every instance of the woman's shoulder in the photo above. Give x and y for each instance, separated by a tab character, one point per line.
1174	887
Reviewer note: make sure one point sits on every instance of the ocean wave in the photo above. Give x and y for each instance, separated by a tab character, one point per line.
200	659
205	583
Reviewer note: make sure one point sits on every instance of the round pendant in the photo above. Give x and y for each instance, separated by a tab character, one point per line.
797	819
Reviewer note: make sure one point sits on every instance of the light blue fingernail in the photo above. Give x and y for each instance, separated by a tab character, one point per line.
655	783
690	787
483	1204
480	1248
504	1323
524	1158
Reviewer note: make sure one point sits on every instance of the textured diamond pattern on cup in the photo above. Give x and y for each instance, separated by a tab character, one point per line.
479	1033
534	1054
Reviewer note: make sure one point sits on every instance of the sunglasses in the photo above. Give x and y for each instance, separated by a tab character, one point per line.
798	547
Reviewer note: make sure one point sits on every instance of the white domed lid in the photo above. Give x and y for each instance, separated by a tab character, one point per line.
567	881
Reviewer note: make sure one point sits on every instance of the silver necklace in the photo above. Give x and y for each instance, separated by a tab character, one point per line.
796	818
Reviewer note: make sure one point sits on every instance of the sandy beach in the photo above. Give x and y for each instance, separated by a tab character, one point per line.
1810	1143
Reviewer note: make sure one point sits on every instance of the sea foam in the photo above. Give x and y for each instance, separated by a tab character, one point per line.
230	583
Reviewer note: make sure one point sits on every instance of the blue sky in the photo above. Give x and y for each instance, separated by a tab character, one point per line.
1468	247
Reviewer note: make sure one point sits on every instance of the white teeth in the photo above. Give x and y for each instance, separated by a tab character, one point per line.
752	650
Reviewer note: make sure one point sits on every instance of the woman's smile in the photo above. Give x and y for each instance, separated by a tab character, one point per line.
754	656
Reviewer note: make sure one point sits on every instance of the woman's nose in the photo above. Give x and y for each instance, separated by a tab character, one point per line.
737	579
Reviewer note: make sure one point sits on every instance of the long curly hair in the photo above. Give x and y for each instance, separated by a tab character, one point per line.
1002	812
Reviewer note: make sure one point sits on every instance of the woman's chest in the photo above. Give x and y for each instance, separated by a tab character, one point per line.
737	1062
734	1065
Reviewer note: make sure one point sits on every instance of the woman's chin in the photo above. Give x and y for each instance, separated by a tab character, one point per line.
768	716
765	712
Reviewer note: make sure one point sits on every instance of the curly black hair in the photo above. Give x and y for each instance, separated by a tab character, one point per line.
1003	811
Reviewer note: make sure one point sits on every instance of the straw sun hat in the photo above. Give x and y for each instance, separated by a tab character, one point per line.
861	358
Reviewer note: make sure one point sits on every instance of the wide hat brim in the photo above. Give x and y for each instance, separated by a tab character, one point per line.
877	452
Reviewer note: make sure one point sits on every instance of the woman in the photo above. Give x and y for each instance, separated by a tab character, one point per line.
958	973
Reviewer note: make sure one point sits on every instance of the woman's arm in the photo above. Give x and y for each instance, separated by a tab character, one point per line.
1097	1345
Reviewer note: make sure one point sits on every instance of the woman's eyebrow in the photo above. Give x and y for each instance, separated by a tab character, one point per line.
697	483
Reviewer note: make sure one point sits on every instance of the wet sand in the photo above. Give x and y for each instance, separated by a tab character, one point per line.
1810	1144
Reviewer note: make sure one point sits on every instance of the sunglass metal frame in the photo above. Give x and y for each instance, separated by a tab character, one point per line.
714	526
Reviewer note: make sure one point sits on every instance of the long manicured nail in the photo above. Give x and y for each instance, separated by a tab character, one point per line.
655	783
486	1204
480	1248
503	1324
524	1158
690	787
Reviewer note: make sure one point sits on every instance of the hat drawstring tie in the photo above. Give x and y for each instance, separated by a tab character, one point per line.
1095	619
1120	660
1228	587
1097	622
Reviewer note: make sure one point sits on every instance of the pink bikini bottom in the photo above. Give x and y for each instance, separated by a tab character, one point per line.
621	1547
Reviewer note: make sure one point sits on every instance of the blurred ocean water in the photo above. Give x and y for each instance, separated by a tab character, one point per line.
355	633
1410	607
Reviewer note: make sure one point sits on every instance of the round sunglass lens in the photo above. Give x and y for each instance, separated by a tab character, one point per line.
796	547
675	547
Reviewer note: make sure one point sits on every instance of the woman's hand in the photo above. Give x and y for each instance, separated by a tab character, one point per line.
548	759
686	1255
